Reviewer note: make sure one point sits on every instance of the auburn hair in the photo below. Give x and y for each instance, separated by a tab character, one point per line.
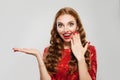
56	43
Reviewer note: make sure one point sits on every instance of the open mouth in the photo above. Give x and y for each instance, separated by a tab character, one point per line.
67	35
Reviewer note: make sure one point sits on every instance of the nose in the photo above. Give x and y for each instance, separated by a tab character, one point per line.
66	29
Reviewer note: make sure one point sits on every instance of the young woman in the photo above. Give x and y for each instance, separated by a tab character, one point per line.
69	55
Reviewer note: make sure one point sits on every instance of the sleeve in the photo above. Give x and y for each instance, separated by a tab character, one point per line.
93	63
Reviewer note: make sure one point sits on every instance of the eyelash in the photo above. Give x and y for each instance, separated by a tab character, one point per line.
71	24
59	25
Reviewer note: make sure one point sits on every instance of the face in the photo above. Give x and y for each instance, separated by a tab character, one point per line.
66	27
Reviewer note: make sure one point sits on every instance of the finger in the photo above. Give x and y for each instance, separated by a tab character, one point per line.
72	42
73	39
16	49
78	38
25	50
86	46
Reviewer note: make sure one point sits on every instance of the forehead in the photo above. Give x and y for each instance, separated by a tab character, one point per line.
65	18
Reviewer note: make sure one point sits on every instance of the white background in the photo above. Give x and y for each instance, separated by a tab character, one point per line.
27	23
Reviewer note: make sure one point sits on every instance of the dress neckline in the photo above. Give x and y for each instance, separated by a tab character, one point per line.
67	50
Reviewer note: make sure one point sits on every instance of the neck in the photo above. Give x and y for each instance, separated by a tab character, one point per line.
66	45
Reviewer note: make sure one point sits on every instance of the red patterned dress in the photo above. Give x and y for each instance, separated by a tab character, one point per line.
63	66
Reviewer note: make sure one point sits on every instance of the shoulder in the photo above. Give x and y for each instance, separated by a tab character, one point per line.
92	50
45	51
93	56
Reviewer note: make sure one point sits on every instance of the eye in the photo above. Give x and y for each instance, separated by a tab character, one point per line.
71	24
59	25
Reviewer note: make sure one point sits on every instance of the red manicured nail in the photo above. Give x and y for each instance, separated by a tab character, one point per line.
75	32
15	50
88	42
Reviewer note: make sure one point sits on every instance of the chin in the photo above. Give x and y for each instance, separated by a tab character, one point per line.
67	40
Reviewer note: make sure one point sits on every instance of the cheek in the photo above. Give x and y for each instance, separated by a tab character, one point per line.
73	29
59	31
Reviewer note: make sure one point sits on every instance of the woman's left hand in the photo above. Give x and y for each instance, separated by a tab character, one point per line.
77	48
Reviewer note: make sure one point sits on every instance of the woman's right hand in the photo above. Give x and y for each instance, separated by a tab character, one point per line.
34	52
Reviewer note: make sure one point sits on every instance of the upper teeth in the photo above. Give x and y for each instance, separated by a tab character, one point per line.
66	34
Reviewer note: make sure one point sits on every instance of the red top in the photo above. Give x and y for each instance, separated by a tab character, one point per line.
63	66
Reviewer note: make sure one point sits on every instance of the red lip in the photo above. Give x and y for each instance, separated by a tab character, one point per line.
67	35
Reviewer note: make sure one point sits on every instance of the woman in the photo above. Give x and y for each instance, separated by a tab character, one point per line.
69	56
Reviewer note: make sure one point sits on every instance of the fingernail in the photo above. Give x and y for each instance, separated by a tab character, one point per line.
75	32
15	50
88	42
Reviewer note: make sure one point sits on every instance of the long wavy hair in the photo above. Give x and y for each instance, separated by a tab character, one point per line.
56	44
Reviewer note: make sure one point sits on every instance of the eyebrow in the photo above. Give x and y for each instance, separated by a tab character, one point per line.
59	23
62	22
71	21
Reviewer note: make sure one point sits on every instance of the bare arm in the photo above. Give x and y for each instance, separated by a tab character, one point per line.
43	71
